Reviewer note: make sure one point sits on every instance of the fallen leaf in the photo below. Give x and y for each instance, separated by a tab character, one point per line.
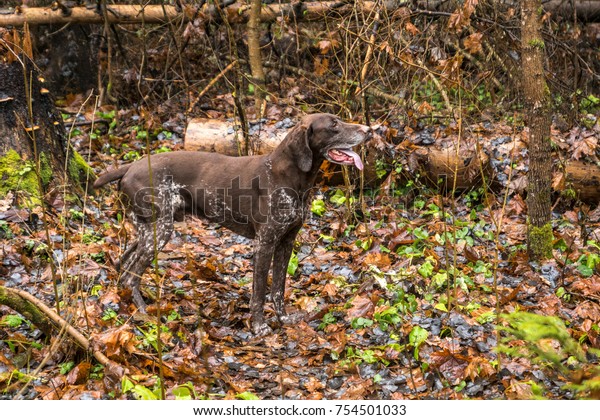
473	42
330	289
79	374
361	307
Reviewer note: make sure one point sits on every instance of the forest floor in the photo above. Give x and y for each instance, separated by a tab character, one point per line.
399	289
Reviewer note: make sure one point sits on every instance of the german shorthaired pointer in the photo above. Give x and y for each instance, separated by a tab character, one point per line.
261	197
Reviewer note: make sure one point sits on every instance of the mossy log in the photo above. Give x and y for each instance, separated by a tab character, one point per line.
47	320
26	308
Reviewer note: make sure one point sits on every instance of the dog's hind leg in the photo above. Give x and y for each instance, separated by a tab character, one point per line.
152	236
122	262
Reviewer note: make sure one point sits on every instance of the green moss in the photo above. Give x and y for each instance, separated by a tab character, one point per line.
18	175
537	43
569	193
79	170
539	241
45	170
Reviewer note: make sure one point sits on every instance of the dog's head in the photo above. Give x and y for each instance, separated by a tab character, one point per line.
326	136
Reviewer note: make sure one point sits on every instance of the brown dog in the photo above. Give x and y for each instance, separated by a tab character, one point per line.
261	197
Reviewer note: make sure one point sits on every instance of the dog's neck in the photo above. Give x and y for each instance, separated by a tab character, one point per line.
282	168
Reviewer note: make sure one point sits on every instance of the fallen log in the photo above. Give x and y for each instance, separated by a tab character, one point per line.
436	165
48	320
209	135
448	169
584	179
237	12
115	14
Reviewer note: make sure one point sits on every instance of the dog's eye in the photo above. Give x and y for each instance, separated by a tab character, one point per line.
334	123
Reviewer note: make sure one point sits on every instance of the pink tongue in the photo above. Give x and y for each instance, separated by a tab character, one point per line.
357	162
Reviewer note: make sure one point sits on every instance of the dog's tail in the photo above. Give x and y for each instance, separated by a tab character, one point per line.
111	176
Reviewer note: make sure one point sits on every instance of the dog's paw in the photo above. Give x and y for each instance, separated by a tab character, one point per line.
261	329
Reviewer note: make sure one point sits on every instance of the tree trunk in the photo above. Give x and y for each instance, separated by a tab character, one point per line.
537	105
255	58
35	160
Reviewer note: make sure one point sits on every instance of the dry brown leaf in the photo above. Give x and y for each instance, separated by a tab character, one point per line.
473	42
307	303
519	390
321	65
424	108
330	290
584	147
79	374
313	384
361	307
588	310
378	259
411	29
114	342
452	365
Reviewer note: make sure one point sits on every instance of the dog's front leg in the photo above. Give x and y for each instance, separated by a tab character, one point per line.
281	259
263	255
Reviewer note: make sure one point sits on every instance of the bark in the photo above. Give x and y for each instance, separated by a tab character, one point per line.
255	58
587	10
537	106
584	180
116	14
34	150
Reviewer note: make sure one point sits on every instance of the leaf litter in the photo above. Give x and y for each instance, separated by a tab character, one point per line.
397	304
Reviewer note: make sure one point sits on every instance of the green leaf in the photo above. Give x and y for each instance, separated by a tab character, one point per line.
66	367
420	233
441	307
184	392
246	396
364	244
426	269
326	238
585	271
126	384
318	207
486	317
416	337
12	321
358	323
143	393
338	198
293	264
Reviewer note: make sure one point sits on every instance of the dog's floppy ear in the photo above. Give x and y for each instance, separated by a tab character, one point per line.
302	150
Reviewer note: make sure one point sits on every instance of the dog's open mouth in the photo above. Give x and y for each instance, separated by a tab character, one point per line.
345	157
